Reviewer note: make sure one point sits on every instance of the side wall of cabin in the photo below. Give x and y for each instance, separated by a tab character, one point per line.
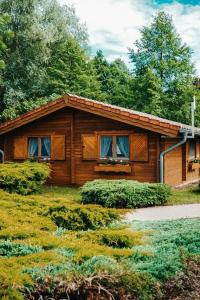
73	124
177	166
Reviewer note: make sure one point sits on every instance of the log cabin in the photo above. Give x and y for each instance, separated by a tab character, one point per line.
84	139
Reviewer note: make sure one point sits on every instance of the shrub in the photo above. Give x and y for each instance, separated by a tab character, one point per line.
124	193
82	218
98	278
9	249
23	178
116	238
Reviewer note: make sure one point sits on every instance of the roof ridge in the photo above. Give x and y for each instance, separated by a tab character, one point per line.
134	112
121	114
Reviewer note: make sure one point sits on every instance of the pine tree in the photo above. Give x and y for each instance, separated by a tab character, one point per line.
70	70
161	52
115	80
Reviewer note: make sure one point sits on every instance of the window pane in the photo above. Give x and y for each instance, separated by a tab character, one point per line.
46	147
106	146
192	151
33	147
122	144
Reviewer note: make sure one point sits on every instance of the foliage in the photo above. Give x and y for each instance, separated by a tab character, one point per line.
38	27
5	35
82	218
171	242
124	193
116	238
116	82
23	178
100	277
163	69
9	249
70	70
77	258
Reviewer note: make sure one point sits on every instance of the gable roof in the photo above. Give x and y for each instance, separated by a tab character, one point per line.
127	116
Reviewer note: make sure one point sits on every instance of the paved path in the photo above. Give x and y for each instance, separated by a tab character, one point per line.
165	213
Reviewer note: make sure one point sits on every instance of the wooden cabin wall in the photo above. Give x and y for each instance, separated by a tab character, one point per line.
86	123
57	123
173	164
194	174
73	123
176	164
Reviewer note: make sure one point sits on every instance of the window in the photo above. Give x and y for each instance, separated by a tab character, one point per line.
39	147
192	150
115	146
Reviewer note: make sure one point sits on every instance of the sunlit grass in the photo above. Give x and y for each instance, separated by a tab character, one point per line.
187	195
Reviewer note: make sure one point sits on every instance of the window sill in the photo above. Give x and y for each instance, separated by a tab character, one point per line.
113	168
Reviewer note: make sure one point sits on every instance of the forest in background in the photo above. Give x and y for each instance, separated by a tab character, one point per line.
45	52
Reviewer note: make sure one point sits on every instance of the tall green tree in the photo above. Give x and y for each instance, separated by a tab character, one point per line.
161	53
70	70
115	80
38	26
5	35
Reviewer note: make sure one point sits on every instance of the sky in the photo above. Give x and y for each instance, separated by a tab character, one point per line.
113	25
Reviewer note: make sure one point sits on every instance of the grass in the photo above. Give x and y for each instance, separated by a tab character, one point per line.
69	195
31	244
187	195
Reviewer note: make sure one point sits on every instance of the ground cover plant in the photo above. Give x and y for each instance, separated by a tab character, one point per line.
124	193
125	261
23	178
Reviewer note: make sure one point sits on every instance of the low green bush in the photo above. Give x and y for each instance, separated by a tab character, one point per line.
124	193
82	218
100	278
9	249
23	178
113	237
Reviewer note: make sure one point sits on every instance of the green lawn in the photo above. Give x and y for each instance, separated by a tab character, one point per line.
187	195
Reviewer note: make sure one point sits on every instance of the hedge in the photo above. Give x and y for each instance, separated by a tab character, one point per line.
124	193
23	178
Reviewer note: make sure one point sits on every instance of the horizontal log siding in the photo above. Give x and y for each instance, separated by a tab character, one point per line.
59	123
173	163
86	123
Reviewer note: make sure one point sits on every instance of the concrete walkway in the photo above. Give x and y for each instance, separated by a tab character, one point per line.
185	211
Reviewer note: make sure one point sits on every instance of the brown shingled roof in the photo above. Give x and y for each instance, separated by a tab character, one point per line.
128	116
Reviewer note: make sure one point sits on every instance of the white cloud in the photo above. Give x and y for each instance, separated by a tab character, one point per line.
113	25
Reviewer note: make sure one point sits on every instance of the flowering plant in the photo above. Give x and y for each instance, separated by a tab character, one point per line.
195	160
114	161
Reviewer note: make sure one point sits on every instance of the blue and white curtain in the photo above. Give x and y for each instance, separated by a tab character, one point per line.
122	146
33	147
106	146
46	147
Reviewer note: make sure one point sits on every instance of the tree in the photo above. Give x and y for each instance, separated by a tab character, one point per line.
38	25
5	35
70	70
115	80
161	52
